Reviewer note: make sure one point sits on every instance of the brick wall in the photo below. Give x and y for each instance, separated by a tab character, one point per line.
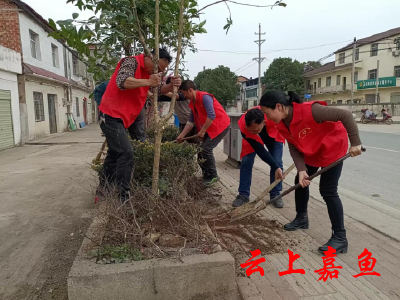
9	26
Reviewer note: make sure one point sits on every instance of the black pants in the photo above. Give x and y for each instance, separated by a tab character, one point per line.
328	187
206	157
136	130
118	164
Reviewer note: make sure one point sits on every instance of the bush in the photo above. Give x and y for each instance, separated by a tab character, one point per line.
177	164
170	133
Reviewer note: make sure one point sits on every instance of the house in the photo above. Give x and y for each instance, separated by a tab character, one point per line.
332	81
10	68
248	93
53	83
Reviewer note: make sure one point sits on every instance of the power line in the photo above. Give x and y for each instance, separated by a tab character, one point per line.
271	51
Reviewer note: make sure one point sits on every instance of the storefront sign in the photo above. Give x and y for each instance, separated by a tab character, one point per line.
371	83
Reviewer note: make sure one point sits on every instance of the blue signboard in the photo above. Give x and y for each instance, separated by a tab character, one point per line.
307	96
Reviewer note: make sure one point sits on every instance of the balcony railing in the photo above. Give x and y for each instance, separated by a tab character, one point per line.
332	89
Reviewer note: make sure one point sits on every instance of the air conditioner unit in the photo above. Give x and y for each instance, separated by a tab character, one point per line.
396	53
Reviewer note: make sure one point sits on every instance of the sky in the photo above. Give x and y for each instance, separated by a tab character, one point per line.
302	24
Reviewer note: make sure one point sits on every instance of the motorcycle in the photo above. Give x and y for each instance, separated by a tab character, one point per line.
387	118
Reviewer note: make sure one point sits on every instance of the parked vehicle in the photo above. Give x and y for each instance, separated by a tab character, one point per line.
370	117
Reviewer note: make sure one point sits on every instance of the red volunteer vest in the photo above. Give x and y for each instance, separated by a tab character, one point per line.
321	143
221	121
125	104
271	128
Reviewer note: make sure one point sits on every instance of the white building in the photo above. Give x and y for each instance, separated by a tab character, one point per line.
52	81
332	81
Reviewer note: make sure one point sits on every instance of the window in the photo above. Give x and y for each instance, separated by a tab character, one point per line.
374	49
357	55
328	81
372	74
339	102
338	80
35	50
39	108
397	71
251	93
341	58
78	113
319	82
356	76
75	64
54	52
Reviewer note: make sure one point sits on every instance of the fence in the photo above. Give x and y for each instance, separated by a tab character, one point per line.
391	108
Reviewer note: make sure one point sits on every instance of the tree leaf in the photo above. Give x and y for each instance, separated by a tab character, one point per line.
52	24
75	15
282	4
148	21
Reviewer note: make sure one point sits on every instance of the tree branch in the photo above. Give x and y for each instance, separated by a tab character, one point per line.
239	3
176	73
141	37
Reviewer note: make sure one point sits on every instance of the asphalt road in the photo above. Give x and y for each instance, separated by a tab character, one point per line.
376	173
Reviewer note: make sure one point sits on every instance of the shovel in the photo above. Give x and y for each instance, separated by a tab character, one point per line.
291	189
188	138
254	207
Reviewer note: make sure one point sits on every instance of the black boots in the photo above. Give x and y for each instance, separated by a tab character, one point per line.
338	241
300	222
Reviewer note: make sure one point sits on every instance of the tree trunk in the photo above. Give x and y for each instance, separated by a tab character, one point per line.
158	131
159	124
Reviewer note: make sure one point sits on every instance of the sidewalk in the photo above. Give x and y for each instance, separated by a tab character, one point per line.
297	286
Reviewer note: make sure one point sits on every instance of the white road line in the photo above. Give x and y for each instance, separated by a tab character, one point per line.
381	149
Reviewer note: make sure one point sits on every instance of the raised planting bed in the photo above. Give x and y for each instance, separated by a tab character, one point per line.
197	276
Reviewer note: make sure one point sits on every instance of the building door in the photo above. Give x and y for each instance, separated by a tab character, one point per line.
315	88
395	97
85	111
52	113
6	124
93	112
370	98
344	83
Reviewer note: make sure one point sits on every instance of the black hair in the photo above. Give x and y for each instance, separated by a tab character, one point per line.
186	85
272	98
163	53
254	115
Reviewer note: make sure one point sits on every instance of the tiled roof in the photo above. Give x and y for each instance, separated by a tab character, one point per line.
372	38
29	69
325	68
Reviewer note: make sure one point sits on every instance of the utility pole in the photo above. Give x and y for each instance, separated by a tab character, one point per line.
377	82
353	71
259	59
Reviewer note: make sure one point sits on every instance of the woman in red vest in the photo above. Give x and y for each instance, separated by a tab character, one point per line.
212	124
258	131
317	136
121	104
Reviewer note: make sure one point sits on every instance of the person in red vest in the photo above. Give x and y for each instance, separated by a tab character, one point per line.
212	124
317	136
258	131
121	104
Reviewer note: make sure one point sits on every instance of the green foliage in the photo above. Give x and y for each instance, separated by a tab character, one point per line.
314	64
118	254
177	164
221	82
170	133
114	31
285	74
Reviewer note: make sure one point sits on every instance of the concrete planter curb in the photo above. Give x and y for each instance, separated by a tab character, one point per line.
198	277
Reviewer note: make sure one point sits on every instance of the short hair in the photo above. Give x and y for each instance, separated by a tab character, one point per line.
186	85
163	53
254	115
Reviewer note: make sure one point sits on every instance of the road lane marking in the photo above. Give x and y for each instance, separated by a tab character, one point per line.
382	149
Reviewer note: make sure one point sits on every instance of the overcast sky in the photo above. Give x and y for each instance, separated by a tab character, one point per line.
302	24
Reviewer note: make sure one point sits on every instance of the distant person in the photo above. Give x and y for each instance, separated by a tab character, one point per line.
212	124
317	136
